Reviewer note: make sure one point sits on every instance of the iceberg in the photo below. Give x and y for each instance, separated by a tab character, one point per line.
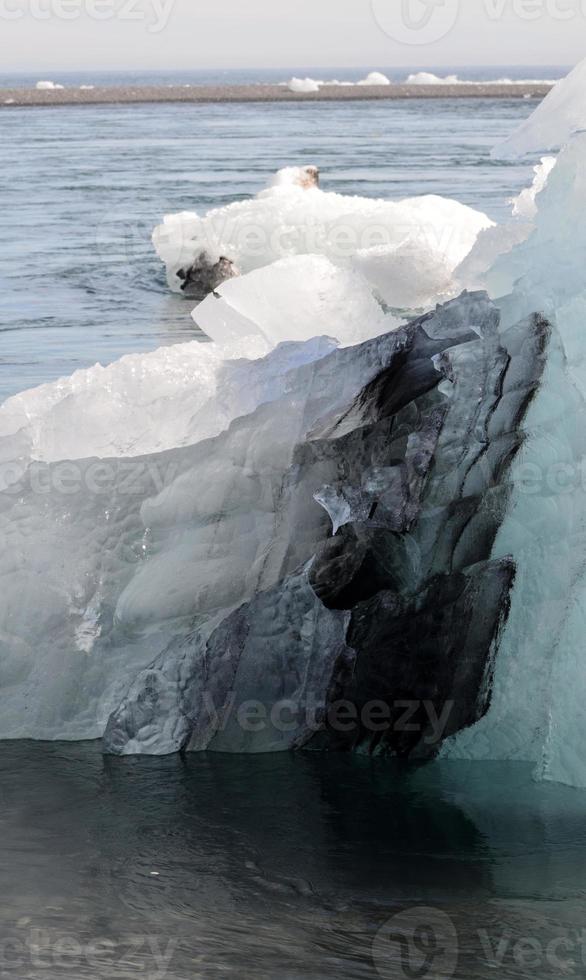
370	578
540	683
562	113
322	502
295	217
240	561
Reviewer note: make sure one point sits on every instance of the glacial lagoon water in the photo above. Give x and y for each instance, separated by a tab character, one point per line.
277	867
285	868
82	188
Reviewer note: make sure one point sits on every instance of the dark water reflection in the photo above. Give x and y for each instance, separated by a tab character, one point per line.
279	866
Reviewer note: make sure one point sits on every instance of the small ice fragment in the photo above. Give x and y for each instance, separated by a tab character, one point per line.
375	78
303	85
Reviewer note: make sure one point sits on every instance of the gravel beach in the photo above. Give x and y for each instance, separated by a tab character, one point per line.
263	93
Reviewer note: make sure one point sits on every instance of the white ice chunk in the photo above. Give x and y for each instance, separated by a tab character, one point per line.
303	85
428	78
143	403
375	78
410	275
293	298
289	219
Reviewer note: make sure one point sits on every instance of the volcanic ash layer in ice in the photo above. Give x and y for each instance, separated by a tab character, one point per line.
341	549
406	250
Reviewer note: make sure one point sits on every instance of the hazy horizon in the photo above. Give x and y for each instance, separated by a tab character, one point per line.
162	35
76	69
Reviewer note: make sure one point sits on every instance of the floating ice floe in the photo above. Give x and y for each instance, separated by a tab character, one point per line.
48	86
294	217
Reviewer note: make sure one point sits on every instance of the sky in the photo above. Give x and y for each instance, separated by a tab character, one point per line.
192	34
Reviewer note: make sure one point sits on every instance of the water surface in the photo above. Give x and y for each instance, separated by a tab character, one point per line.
282	866
83	187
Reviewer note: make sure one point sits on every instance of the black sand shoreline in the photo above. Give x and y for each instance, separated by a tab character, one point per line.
209	94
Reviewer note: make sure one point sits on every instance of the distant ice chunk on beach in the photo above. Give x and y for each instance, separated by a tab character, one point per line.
306	85
375	78
303	85
428	78
47	86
